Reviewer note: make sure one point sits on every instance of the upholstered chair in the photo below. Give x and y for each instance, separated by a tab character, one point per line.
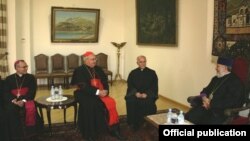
42	68
102	61
58	68
72	63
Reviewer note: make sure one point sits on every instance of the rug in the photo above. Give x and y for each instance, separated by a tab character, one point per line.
68	132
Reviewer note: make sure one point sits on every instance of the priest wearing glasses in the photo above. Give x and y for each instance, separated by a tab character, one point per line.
19	93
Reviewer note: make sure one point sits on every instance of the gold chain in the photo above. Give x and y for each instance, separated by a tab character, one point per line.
212	93
19	87
92	75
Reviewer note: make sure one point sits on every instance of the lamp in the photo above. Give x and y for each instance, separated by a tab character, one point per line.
118	46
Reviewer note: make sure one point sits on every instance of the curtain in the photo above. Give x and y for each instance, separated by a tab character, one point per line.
3	40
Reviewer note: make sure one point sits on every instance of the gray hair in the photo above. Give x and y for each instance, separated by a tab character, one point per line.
85	58
141	56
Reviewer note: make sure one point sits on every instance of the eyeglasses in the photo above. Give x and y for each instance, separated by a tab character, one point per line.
93	59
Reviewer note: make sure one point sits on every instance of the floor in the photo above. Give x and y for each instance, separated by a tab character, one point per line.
117	91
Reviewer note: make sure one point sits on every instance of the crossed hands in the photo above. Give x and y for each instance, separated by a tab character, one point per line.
103	93
206	102
141	95
19	103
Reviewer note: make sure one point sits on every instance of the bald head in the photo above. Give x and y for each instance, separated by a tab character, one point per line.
141	61
21	67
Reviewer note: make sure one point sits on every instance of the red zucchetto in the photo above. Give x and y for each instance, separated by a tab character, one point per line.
88	53
17	62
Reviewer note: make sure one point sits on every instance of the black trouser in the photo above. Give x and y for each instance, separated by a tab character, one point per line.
138	108
200	115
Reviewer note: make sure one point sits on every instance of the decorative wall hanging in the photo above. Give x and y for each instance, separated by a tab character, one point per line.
74	25
231	35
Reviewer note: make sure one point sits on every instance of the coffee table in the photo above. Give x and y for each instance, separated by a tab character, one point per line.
42	102
160	119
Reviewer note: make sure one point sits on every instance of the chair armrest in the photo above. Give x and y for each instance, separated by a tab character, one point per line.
190	99
234	111
194	100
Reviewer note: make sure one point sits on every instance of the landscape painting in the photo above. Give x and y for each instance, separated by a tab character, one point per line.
74	25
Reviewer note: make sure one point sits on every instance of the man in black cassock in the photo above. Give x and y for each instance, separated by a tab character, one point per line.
19	93
142	93
97	111
225	90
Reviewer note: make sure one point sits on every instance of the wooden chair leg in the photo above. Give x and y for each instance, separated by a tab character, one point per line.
64	115
48	83
111	81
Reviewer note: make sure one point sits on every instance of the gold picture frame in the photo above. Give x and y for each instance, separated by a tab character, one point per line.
74	25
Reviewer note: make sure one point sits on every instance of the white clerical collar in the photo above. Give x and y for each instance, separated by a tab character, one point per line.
219	76
20	75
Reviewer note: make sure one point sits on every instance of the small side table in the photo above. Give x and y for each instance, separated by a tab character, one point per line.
160	119
41	102
156	119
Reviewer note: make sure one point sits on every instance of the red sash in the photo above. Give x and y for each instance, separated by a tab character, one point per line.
96	83
23	91
108	101
111	106
30	109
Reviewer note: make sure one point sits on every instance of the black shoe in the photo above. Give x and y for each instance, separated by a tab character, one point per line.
118	136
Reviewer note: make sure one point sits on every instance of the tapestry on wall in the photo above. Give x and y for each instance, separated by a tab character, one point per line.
231	37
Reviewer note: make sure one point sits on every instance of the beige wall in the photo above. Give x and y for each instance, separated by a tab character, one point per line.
182	70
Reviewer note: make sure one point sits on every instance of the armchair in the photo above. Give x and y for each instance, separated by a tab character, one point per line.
241	68
233	114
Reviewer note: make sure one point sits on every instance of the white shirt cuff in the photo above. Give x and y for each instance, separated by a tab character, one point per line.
97	92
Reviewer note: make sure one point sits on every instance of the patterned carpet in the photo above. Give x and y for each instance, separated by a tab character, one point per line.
68	132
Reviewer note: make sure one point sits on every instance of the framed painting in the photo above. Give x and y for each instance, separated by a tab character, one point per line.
156	22
74	25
